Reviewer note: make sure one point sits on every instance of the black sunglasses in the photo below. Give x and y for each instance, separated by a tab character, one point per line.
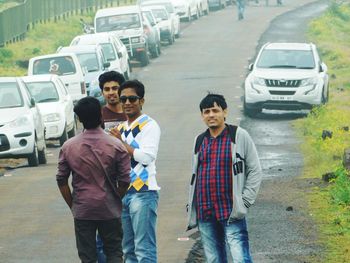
131	99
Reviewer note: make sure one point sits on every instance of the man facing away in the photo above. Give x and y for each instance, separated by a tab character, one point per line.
225	182
112	113
140	134
100	168
240	8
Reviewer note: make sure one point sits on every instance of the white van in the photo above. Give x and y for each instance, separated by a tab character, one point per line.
65	65
127	23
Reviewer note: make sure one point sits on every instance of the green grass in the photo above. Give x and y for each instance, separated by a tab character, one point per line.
330	205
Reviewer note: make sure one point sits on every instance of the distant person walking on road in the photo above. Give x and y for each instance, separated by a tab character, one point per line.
141	135
112	112
240	8
100	167
225	182
112	116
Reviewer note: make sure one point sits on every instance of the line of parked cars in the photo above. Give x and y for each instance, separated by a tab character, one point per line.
39	107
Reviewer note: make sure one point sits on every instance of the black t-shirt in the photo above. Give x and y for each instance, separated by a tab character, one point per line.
111	119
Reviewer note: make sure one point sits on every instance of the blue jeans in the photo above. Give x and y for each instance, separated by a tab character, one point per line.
139	218
216	235
101	257
240	9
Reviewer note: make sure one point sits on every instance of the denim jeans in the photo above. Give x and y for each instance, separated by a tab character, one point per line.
101	257
240	9
216	235
139	218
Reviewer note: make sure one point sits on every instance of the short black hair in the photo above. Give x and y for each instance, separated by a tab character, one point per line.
88	110
209	100
135	85
110	76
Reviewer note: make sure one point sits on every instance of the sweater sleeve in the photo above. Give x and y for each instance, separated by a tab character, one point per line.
253	172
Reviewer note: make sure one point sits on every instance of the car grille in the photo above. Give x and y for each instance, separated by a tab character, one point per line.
281	92
4	143
282	83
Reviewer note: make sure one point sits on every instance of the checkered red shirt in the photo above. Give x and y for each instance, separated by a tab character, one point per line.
214	182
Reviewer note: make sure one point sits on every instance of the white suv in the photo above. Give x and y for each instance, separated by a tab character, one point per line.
286	76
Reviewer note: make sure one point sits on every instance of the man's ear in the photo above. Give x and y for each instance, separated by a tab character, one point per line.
225	113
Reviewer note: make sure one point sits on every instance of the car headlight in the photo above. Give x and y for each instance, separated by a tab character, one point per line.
19	122
258	81
135	40
308	82
52	117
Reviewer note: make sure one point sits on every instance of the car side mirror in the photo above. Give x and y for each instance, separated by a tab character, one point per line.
106	64
32	102
250	67
323	67
120	54
159	20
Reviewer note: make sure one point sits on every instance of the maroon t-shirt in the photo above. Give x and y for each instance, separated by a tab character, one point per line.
111	119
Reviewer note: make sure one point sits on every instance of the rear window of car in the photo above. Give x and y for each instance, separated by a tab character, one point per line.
55	65
43	91
10	95
160	13
274	58
89	61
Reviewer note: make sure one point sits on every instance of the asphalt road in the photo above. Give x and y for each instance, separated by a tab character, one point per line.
211	55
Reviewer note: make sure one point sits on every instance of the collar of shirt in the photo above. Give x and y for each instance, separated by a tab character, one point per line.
223	133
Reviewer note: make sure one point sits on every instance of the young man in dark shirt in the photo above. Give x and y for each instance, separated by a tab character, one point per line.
100	168
112	113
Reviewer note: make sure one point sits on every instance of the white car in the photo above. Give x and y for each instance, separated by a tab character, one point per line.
55	104
66	66
287	76
21	126
186	9
203	7
92	60
113	49
164	22
175	19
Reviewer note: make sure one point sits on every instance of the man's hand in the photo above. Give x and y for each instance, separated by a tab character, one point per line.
116	133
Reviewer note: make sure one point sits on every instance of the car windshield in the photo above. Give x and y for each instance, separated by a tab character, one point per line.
43	91
160	13
300	59
56	65
89	61
10	95
117	22
108	51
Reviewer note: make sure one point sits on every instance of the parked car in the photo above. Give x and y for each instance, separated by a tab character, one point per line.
288	76
65	65
21	126
126	22
186	9
113	49
164	22
174	17
153	32
220	4
55	104
92	60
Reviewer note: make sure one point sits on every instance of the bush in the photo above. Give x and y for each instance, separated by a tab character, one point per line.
340	191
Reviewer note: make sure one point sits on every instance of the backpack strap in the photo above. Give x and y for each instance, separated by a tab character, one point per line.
232	129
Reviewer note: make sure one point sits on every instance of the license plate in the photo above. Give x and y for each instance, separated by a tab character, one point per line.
279	97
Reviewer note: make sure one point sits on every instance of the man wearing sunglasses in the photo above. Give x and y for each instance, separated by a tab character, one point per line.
140	135
112	113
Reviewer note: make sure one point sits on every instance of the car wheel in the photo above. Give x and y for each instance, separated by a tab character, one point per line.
130	67
188	18
71	133
154	52
126	75
144	58
33	158
206	12
196	16
42	158
159	48
64	136
171	40
251	112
